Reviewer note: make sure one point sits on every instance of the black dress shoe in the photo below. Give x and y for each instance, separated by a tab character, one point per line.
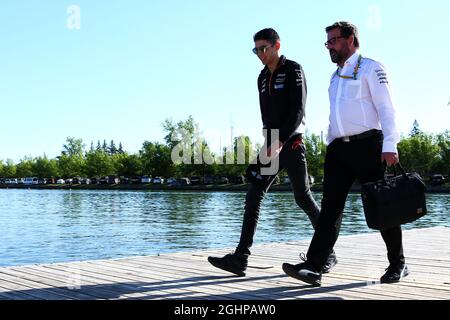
331	262
304	272
233	263
394	273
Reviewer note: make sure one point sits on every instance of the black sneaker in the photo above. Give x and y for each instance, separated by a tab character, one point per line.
304	272
233	263
331	262
394	273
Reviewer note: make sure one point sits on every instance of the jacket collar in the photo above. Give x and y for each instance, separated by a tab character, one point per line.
281	62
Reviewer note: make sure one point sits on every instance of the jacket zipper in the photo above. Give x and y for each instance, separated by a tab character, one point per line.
270	84
270	80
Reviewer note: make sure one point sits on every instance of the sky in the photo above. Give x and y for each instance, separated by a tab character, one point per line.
115	70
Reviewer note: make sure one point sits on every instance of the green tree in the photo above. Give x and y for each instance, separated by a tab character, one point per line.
128	165
156	159
99	163
418	153
415	131
181	139
104	146
1	169
443	143
25	167
71	166
243	153
71	162
73	147
112	148
120	150
45	168
9	169
173	131
315	155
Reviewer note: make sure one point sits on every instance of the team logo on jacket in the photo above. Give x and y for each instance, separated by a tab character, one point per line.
280	78
382	76
279	81
263	86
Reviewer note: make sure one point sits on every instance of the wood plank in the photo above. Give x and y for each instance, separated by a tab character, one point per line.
188	275
113	273
86	285
169	268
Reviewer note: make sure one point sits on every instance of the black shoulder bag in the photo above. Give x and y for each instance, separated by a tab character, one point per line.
394	201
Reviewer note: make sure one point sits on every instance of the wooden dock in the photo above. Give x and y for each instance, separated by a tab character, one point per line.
188	275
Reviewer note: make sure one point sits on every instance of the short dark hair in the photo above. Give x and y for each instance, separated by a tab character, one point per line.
347	29
267	34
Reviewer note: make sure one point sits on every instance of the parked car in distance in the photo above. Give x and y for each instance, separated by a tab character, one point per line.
20	180
208	179
158	180
171	181
103	180
11	181
195	180
30	181
94	180
69	181
222	180
238	179
76	180
42	181
124	180
85	181
184	181
146	179
113	180
135	180
60	181
437	180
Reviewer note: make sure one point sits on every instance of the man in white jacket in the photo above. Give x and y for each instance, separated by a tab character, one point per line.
362	137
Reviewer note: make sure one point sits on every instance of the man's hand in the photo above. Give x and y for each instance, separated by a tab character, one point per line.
274	149
391	158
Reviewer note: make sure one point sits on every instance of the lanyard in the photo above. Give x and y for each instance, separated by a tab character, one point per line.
355	72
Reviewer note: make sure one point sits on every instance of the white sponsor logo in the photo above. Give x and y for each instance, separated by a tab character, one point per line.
74	18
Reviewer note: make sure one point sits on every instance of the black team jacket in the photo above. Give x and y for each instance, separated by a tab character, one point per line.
282	98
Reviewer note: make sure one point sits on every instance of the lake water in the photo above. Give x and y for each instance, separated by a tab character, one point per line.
44	226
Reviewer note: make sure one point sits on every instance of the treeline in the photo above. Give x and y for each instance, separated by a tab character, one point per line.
419	151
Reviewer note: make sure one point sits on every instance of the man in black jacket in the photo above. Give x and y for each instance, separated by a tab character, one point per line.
282	96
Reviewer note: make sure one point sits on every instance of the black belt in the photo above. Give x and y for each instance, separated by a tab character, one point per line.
360	136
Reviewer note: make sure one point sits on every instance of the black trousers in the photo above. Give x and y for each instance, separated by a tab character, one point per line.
344	163
294	161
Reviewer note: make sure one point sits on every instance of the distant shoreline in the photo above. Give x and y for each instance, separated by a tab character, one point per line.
212	188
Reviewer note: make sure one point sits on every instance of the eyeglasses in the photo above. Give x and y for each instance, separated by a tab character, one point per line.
332	41
262	49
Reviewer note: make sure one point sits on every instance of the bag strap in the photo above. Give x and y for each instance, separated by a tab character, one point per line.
399	166
402	171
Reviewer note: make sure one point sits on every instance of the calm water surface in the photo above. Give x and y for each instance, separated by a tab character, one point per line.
44	226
